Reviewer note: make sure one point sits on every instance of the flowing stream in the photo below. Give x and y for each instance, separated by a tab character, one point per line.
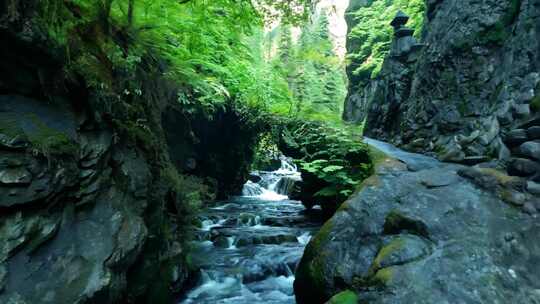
248	247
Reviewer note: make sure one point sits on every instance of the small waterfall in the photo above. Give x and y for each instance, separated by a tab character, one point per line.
252	189
286	184
275	185
247	247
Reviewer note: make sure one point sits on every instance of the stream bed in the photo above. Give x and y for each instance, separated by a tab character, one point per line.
248	246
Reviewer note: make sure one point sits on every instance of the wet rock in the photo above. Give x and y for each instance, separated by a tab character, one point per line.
523	167
287	185
475	160
93	146
265	239
465	140
453	153
516	137
531	149
514	198
221	241
248	219
534	132
254	178
401	250
529	208
3	274
15	177
17	142
533	187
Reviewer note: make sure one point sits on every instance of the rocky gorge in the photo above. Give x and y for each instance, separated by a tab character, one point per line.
457	221
122	156
467	92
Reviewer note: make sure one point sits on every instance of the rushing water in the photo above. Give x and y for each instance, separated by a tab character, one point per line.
249	246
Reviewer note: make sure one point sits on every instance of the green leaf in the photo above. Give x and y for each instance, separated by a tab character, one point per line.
332	169
327	192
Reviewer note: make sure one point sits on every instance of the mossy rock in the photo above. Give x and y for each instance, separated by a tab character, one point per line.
10	127
344	297
48	140
311	281
383	277
396	222
394	246
42	138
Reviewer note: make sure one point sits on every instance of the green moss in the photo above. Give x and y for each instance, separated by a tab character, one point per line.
395	245
513	12
496	34
42	138
535	104
383	277
344	297
49	141
500	31
10	127
376	155
311	268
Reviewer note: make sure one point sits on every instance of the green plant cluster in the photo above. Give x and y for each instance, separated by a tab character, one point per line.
333	161
204	49
371	36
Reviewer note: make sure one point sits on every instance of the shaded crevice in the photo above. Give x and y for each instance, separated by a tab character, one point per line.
397	223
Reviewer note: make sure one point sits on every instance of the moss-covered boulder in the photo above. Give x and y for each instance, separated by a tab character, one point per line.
421	231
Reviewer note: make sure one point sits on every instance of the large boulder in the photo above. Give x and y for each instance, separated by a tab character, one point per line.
427	234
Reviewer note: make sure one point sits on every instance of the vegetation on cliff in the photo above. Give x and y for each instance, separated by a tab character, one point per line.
370	34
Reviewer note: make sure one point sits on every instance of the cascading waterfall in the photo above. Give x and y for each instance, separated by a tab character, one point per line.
248	247
275	185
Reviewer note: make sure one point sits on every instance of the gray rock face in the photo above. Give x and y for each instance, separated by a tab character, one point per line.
359	93
73	217
478	71
428	234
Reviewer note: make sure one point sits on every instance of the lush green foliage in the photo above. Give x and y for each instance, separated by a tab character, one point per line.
208	55
332	158
203	47
314	74
372	34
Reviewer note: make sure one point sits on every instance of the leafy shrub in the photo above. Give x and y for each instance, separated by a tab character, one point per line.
332	161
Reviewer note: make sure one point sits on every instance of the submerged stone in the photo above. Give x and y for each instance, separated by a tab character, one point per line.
15	176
